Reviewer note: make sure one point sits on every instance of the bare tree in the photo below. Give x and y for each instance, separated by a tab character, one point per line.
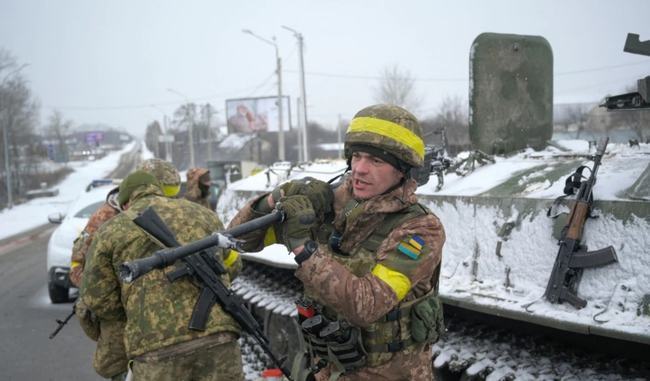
59	128
450	127
18	115
151	135
397	87
578	114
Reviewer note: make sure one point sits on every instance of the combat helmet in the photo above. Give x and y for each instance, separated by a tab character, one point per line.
388	132
165	172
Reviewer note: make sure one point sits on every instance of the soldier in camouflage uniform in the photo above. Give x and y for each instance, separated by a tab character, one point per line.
157	339
110	359
198	186
369	255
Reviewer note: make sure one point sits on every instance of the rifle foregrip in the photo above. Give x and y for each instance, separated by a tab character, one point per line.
577	220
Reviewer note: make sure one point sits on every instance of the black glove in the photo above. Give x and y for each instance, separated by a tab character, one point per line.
299	221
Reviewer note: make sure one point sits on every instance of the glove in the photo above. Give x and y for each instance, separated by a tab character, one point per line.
89	324
319	193
300	218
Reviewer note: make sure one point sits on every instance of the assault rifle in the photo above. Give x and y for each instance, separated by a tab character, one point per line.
573	257
199	263
62	323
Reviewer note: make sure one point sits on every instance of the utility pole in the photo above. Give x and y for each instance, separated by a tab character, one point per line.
190	127
339	139
301	157
165	137
303	92
278	70
208	111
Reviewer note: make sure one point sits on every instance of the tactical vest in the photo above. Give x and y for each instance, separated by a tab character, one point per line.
396	330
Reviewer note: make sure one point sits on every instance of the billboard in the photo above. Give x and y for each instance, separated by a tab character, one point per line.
250	115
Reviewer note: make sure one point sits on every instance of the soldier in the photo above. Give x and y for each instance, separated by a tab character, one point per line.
110	359
198	186
156	336
165	172
368	254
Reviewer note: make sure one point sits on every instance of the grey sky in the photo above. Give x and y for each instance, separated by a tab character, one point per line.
107	61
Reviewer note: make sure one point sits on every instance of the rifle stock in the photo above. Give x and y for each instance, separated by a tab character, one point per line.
572	257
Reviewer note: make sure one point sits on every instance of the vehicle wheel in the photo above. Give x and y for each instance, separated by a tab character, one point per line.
58	294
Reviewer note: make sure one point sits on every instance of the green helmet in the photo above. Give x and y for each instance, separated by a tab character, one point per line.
389	129
132	182
165	172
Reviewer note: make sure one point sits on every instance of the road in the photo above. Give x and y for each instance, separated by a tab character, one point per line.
27	318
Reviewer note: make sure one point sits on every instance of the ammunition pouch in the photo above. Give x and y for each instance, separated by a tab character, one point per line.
427	322
337	342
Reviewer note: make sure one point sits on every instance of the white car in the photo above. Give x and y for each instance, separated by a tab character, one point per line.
59	248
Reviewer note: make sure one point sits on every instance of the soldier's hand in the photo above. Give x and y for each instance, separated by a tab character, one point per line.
300	218
319	193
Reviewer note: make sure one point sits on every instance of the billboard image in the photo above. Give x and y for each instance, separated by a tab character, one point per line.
250	115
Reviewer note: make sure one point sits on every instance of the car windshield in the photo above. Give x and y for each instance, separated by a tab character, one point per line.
88	210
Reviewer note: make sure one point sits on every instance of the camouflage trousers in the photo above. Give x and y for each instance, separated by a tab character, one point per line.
219	363
412	364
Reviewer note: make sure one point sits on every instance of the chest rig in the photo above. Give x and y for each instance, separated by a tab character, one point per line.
349	347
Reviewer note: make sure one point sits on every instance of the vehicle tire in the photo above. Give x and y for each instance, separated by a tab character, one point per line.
58	294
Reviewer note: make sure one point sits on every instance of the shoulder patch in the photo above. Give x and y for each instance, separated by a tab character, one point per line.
411	246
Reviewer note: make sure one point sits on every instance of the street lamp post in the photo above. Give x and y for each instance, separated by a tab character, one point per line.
303	93
5	137
278	64
190	128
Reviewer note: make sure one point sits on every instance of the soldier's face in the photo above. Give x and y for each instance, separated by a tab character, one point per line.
371	176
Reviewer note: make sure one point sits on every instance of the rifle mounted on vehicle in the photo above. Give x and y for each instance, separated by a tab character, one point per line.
573	257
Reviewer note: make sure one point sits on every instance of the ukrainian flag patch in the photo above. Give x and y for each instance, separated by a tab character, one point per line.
411	247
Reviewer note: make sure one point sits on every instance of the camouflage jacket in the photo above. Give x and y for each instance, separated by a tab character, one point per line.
157	311
355	292
82	243
192	192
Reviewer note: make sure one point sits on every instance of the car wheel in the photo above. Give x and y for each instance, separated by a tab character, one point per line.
58	294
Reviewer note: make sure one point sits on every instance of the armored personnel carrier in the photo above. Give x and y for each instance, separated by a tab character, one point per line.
505	225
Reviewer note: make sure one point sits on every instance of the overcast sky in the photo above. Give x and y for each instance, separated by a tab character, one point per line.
110	61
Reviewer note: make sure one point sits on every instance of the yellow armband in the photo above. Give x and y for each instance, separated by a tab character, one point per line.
399	282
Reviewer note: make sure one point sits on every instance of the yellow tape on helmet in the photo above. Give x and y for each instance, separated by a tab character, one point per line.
170	190
399	282
389	130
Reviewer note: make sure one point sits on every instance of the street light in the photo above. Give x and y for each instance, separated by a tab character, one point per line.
5	137
190	128
303	93
167	141
278	63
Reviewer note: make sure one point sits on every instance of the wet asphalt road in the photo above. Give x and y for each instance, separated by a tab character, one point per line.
27	318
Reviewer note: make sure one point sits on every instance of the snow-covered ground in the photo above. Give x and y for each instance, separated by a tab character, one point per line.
34	213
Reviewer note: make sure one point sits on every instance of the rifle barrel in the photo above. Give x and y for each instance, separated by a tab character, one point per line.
130	271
